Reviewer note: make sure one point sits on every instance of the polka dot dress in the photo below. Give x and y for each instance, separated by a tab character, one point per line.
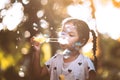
75	70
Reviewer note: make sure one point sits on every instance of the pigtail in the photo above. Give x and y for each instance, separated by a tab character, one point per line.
94	48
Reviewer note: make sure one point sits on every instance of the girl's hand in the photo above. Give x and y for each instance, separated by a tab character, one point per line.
35	44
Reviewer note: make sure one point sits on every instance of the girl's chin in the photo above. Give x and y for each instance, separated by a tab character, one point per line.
64	47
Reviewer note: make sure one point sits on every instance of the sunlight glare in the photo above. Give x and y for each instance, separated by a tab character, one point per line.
4	3
44	2
26	1
14	16
79	11
107	18
87	47
1	26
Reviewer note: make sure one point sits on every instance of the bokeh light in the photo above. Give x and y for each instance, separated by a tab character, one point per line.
22	19
107	18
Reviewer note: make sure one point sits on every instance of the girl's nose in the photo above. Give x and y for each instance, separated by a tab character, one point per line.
63	38
62	34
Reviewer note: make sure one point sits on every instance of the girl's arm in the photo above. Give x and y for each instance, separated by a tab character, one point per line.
90	69
92	75
37	70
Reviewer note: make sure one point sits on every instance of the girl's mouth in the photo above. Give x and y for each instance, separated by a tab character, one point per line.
63	46
63	41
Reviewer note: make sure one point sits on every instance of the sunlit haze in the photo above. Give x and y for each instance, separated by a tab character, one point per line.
106	15
24	24
107	20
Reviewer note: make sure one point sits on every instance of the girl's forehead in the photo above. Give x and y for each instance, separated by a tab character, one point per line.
69	26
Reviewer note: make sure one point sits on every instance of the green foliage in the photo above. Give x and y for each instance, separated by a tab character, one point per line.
109	59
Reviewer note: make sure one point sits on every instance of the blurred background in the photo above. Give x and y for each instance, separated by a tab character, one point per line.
22	19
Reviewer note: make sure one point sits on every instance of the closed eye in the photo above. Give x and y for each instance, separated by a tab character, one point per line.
71	34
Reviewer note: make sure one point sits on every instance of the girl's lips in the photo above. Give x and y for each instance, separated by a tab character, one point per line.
63	41
63	45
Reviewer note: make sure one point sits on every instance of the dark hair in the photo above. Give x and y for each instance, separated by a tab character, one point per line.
94	47
83	31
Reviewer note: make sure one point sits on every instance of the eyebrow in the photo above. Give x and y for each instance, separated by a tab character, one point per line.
72	32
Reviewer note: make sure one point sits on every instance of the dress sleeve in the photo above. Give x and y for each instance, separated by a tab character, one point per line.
90	64
49	63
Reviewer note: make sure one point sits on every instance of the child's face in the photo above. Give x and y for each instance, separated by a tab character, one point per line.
69	32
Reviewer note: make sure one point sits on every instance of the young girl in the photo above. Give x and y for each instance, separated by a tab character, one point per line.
71	64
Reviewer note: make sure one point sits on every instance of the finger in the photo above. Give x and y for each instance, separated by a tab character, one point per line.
32	39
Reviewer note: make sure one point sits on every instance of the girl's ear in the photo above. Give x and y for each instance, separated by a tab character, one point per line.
80	43
92	75
77	45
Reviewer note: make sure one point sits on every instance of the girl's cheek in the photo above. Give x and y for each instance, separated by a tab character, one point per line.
71	43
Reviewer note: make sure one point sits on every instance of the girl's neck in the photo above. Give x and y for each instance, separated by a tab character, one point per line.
74	53
73	56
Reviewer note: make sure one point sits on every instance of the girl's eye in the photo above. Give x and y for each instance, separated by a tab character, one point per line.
72	35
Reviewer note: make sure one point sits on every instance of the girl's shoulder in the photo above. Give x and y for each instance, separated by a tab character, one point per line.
89	63
56	57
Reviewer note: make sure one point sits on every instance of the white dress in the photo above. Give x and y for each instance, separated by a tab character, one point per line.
75	70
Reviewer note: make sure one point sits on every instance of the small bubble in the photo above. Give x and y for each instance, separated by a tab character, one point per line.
44	24
44	2
27	34
21	74
16	47
51	28
24	50
18	32
40	13
25	1
36	29
35	24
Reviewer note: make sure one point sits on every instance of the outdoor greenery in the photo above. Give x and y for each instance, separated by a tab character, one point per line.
16	50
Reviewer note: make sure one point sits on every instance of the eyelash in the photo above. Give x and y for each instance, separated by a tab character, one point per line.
71	35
